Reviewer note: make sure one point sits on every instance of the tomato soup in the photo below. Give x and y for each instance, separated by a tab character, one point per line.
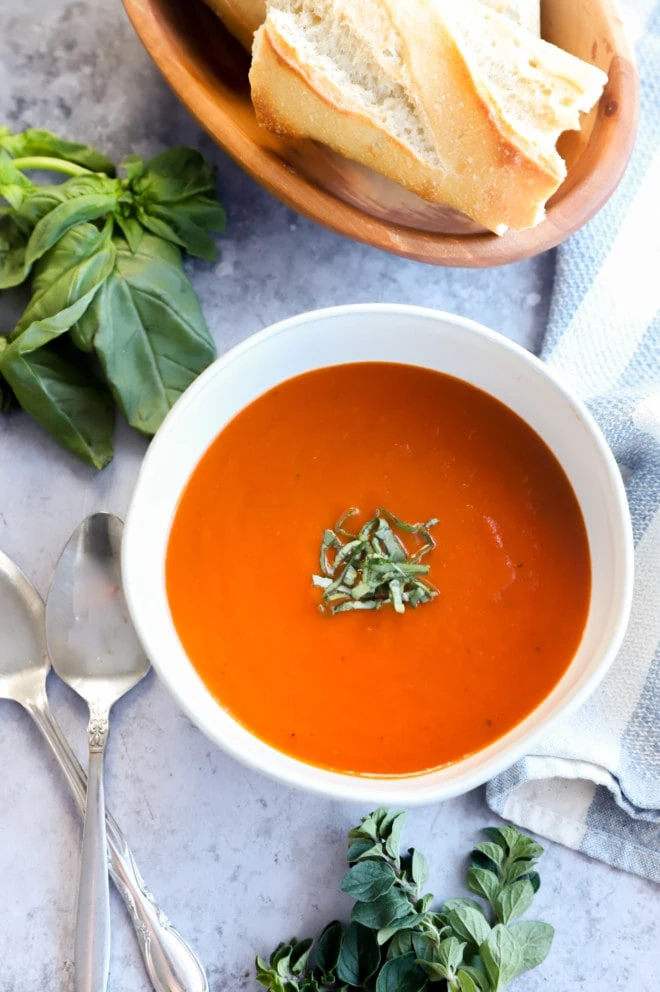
379	693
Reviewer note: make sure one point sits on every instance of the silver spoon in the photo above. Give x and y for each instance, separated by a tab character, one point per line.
24	666
94	649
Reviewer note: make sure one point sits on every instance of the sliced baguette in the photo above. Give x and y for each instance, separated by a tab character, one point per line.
244	17
527	13
406	97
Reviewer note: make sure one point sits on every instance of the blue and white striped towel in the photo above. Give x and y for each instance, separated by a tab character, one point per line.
593	783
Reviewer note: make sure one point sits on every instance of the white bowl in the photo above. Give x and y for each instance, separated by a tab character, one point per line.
414	336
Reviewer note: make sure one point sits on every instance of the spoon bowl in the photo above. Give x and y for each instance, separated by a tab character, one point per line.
88	628
24	662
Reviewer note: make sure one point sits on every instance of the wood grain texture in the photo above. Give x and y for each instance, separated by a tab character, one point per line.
207	69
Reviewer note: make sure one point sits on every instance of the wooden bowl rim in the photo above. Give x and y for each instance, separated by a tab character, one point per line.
612	150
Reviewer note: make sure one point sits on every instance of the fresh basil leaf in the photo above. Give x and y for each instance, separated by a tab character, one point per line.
420	867
401	974
36	142
54	225
327	949
382	912
534	939
131	229
148	331
465	982
42	200
513	901
468	924
173	225
502	957
14	186
39	202
175	199
67	403
483	883
395	831
368	880
13	269
359	956
174	175
64	285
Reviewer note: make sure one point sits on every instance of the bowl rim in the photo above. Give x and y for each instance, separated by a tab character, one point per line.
566	213
339	785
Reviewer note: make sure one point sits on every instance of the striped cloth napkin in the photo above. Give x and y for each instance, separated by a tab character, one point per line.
593	783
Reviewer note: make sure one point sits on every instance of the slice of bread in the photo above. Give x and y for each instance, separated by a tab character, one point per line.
455	102
244	17
527	13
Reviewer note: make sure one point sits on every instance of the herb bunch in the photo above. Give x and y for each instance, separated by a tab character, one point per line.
112	314
396	941
373	568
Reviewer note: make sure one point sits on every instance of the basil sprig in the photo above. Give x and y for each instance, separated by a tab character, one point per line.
396	941
112	314
373	567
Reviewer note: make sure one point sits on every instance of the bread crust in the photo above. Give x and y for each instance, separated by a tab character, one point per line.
484	173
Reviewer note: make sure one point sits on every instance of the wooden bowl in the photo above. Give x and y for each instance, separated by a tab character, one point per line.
208	70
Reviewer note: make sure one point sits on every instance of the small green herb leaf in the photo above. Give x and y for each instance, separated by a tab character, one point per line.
483	883
513	901
502	957
535	940
368	880
468	924
420	868
326	952
359	956
401	974
465	982
382	912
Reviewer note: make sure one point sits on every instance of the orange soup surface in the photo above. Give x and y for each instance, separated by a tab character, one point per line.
379	692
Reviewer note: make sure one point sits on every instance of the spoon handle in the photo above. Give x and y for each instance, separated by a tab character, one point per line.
92	946
171	964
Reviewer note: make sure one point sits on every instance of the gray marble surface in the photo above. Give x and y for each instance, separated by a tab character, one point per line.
237	861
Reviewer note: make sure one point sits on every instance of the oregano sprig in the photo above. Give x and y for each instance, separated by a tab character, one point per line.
396	941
